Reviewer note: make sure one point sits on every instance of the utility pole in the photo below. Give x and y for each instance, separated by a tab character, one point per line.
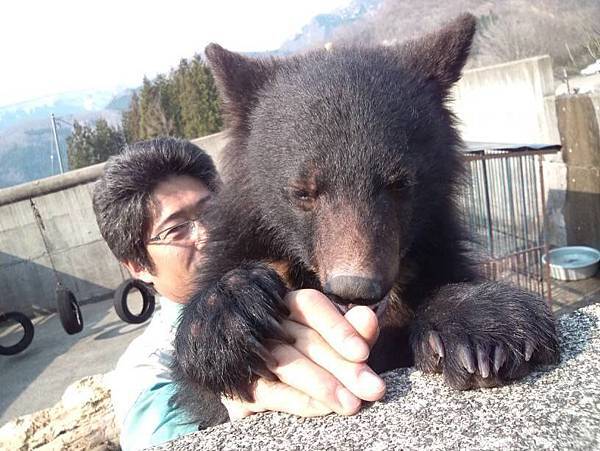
53	120
566	78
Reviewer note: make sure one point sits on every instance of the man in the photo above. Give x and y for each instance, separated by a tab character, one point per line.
149	205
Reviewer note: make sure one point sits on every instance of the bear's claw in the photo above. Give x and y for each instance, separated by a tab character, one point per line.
494	334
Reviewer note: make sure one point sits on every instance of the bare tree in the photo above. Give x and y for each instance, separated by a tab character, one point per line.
524	29
508	30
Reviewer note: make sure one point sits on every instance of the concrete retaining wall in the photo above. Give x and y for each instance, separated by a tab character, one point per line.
579	120
514	102
49	238
511	102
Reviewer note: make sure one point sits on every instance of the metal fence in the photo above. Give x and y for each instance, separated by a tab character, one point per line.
504	209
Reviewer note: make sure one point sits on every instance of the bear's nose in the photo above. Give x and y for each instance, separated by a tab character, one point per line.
353	289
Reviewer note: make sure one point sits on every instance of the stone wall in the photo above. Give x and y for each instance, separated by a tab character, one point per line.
82	420
555	407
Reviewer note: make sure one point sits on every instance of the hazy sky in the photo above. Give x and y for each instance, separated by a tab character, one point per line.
49	47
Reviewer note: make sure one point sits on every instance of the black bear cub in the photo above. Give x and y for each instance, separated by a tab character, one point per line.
346	165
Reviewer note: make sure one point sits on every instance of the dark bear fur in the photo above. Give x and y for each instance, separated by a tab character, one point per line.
345	165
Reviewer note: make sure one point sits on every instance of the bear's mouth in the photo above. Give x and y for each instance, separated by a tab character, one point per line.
343	306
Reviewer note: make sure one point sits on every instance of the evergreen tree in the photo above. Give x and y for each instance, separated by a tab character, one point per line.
156	108
131	120
90	145
79	146
183	103
199	101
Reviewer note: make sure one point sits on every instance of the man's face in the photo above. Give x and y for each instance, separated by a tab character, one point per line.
174	201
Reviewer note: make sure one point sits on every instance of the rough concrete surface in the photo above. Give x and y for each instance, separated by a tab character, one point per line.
82	420
553	408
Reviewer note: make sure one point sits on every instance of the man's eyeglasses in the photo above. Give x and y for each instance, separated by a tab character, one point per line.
179	232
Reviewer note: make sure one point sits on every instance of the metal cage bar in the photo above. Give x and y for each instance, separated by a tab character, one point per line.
504	210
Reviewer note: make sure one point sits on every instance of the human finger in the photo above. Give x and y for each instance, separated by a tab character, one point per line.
238	408
313	309
355	376
275	396
296	370
281	397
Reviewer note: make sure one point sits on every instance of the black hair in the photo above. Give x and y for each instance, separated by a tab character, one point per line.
123	194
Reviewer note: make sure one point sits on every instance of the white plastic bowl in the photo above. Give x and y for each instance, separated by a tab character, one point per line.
572	262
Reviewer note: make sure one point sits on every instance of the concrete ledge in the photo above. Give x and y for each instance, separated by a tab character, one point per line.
211	144
553	408
50	184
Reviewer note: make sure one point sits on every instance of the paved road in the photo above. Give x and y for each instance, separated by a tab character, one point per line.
36	378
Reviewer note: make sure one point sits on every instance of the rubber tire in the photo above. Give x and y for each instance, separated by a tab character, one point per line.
69	311
120	301
24	321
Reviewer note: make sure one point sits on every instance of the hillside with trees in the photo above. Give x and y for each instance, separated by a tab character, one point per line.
567	30
29	154
183	103
91	145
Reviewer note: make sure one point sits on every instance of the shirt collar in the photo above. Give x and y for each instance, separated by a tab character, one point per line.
170	310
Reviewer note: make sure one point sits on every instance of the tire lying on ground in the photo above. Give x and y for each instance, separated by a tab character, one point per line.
24	342
69	311
120	301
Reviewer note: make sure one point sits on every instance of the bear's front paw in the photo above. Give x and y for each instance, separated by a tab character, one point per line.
471	362
484	335
220	343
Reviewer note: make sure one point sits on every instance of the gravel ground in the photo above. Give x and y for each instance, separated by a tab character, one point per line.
553	408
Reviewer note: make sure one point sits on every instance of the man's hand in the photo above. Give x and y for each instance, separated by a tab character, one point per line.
324	371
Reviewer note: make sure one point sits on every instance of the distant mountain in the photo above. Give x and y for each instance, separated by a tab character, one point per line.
322	27
26	144
69	103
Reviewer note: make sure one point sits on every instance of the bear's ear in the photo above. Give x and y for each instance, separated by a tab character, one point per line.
238	79
442	55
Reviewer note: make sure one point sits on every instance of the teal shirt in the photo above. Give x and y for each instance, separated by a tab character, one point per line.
154	420
142	385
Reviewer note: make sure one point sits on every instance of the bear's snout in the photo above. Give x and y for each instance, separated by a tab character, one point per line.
354	289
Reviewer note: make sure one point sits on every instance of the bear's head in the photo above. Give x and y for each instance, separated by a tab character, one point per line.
349	157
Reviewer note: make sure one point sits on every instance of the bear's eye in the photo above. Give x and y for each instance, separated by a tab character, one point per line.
302	197
400	183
